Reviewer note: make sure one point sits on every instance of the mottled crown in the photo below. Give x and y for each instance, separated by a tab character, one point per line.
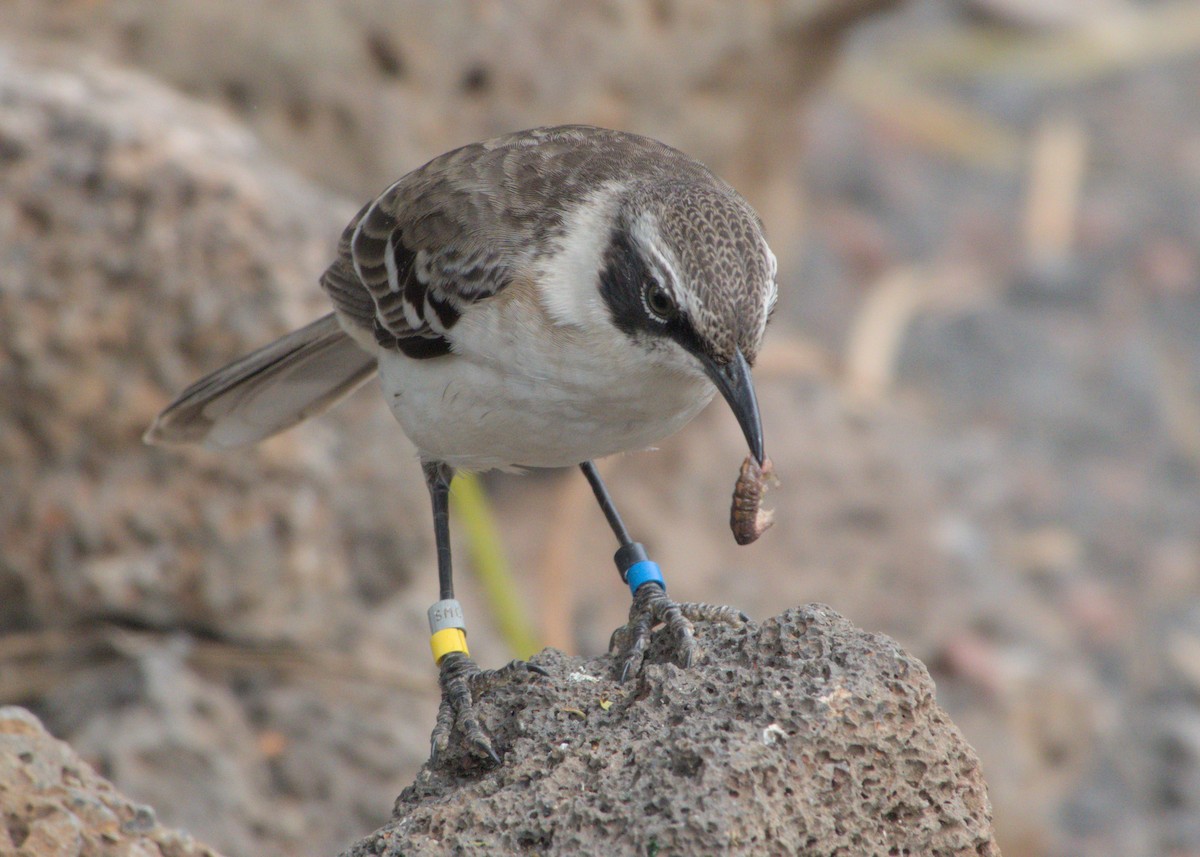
724	270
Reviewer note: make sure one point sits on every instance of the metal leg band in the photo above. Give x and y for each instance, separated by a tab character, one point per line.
447	631
446	613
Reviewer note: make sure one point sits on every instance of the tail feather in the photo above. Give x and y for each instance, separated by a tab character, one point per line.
267	391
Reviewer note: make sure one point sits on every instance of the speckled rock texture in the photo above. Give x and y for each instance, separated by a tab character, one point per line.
52	804
144	240
802	735
216	632
347	91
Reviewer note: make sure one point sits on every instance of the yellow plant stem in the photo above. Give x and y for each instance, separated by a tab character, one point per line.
473	512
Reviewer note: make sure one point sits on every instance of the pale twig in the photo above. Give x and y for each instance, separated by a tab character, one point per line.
878	332
928	120
1057	163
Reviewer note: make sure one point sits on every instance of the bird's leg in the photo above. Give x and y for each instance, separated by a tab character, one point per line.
651	605
460	679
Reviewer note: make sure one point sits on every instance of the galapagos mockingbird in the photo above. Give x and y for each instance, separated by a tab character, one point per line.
541	299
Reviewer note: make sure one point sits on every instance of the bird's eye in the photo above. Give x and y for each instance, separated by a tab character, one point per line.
658	301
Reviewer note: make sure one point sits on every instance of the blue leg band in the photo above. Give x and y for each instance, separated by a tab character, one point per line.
641	573
636	568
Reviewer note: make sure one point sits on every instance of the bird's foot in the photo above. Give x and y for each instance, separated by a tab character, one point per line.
462	682
651	608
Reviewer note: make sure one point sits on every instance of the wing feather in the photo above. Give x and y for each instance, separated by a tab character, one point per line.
465	225
271	389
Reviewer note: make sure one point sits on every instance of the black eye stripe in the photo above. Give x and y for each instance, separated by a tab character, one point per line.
622	276
624	280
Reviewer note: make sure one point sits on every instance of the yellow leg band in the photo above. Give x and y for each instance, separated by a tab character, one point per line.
448	640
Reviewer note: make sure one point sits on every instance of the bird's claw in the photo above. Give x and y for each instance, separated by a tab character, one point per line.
462	682
652	607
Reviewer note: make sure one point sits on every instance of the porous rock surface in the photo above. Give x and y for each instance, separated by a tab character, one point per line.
52	804
347	92
145	240
169	611
802	735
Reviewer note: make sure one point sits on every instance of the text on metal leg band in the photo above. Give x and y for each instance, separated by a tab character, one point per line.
446	613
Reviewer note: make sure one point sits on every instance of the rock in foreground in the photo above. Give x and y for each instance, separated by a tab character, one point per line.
802	735
54	805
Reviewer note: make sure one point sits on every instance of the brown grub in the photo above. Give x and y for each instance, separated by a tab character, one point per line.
747	518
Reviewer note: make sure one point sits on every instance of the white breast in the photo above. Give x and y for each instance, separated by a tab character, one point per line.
524	390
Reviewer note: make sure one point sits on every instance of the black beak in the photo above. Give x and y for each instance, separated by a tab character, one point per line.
733	380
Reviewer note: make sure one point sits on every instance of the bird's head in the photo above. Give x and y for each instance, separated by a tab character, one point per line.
688	275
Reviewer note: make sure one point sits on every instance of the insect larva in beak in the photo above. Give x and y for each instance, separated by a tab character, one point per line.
747	518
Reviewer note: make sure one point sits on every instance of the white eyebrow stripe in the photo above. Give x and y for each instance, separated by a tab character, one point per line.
643	232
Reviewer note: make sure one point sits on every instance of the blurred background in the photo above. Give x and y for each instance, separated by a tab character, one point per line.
980	390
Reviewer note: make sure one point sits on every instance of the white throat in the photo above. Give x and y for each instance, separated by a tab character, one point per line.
569	277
